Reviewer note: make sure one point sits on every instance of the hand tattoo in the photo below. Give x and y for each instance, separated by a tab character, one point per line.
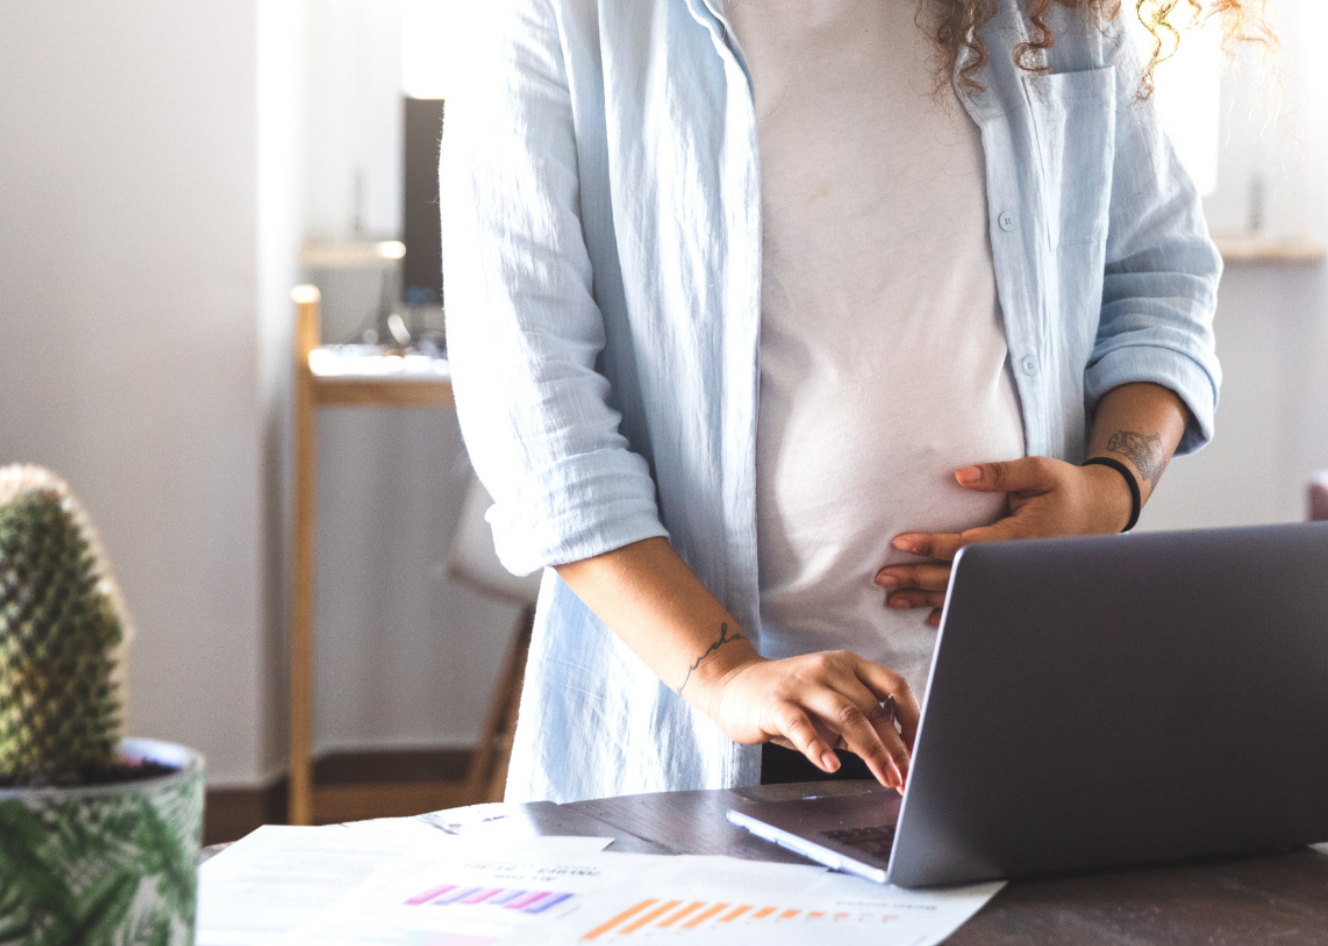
723	639
1144	452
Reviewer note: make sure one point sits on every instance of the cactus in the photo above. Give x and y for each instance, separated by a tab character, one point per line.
61	627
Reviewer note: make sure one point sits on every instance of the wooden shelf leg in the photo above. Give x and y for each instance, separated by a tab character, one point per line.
300	800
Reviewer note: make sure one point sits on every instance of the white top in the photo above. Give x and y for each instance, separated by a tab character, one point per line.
883	354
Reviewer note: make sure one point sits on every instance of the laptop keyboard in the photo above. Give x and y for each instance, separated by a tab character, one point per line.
874	841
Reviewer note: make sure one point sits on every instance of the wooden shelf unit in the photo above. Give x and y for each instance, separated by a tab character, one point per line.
1252	249
309	802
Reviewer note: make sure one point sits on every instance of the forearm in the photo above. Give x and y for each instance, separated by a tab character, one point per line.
815	703
1140	425
648	596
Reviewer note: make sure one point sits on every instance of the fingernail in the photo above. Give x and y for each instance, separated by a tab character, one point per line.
900	603
896	776
830	762
969	475
887	580
904	545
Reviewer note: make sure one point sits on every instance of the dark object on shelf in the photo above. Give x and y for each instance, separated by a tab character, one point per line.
422	268
1318	496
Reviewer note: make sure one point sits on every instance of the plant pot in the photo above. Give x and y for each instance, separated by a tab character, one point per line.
113	864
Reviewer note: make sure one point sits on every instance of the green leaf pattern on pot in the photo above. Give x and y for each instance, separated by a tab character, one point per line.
117	868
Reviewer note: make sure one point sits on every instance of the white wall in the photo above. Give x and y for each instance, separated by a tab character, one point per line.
352	119
281	72
129	347
1272	322
406	657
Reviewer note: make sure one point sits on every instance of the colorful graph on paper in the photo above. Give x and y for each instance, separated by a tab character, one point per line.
651	915
521	901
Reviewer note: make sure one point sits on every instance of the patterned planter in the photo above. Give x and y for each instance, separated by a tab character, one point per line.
104	865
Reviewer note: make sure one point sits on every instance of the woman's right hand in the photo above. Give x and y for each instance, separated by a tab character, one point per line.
818	703
814	704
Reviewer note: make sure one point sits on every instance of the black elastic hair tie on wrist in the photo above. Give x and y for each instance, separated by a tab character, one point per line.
1136	497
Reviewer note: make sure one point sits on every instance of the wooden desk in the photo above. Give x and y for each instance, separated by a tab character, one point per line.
313	390
1277	899
1246	901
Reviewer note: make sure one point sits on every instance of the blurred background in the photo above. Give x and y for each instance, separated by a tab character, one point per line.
170	171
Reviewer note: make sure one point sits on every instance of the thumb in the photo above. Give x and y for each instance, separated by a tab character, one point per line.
1003	530
1028	474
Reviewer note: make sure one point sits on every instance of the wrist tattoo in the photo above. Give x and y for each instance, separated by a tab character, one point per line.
1144	452
724	638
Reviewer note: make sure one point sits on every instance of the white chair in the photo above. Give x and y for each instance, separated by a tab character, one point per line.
474	562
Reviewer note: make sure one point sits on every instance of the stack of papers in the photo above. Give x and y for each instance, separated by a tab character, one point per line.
406	881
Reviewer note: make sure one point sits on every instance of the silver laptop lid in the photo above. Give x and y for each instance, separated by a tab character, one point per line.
1115	699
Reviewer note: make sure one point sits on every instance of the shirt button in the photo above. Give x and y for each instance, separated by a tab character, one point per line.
1029	364
1006	221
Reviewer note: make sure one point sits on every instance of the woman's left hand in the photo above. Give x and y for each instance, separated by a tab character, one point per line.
1047	498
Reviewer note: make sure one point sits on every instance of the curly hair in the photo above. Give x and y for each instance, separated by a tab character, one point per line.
959	24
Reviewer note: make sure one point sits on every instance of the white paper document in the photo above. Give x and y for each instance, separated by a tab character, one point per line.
475	893
265	885
708	901
259	888
569	895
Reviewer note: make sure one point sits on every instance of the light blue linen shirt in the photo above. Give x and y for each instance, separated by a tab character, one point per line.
602	234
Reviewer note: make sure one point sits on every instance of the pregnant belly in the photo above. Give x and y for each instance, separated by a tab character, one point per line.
837	481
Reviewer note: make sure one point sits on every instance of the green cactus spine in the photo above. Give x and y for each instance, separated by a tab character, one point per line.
61	628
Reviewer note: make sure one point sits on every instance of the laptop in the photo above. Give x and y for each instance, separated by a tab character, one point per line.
1102	701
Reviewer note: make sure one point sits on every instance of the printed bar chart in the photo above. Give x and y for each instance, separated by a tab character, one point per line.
656	914
525	901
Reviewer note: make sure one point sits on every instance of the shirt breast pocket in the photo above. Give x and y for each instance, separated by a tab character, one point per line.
1075	120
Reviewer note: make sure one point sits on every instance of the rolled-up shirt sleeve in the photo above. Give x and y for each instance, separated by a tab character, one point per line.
523	328
1162	269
